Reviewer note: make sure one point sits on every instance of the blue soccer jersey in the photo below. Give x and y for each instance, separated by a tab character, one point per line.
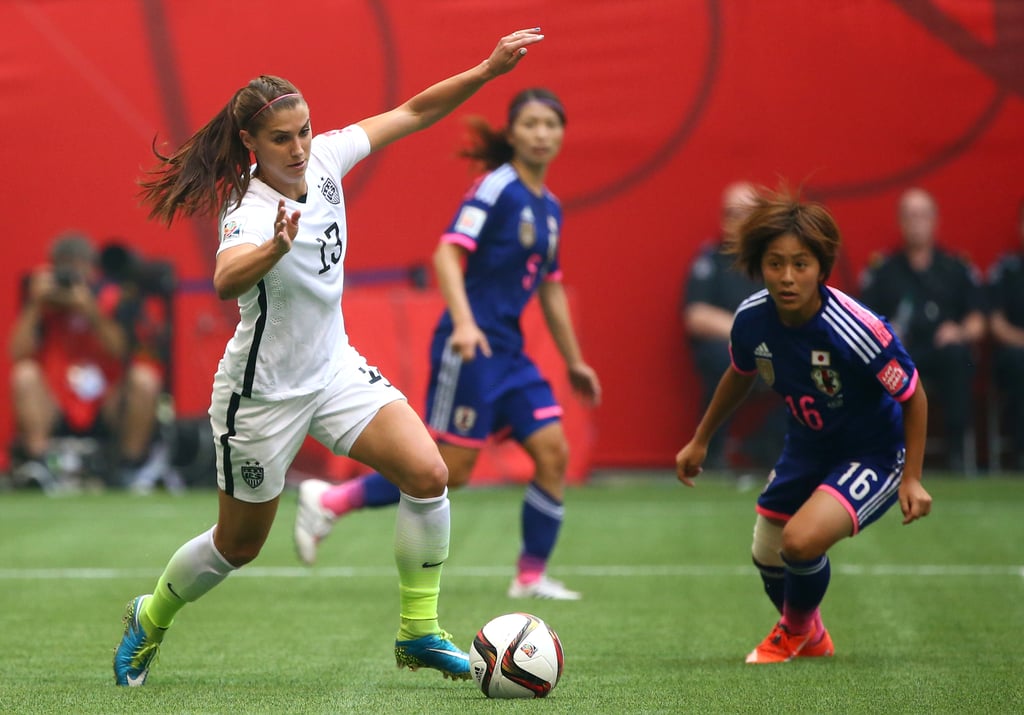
512	237
841	374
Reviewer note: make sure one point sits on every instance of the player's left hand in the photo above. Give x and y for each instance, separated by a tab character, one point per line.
689	460
286	228
915	501
510	49
584	382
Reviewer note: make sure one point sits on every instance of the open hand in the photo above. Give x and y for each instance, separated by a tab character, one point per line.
511	49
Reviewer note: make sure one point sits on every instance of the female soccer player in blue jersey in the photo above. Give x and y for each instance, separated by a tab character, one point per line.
500	249
289	370
857	415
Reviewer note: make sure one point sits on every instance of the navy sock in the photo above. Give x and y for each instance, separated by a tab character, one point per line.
541	520
378	491
806	583
774	580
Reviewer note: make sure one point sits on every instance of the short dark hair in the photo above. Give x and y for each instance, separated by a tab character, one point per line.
777	213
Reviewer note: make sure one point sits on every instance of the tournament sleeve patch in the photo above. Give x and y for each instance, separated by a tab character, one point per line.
471	221
893	377
231	229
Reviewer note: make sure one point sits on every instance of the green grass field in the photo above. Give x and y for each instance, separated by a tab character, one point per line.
926	619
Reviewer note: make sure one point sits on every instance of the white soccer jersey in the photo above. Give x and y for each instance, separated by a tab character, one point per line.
291	335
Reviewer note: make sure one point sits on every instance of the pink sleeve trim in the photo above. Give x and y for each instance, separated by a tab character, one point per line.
736	367
460	240
556	276
906	394
846	505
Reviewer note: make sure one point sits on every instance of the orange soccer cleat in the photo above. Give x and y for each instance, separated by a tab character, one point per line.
819	646
780	646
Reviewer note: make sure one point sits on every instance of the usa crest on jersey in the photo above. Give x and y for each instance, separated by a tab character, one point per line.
330	191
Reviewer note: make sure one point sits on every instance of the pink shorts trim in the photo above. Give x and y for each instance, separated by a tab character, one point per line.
545	412
457	440
769	514
846	505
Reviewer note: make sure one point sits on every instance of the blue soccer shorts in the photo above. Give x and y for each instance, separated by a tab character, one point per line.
866	487
502	395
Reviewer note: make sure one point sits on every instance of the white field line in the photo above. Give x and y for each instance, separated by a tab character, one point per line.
635	571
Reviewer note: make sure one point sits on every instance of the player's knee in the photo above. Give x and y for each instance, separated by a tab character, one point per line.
553	457
428	479
801	544
767	545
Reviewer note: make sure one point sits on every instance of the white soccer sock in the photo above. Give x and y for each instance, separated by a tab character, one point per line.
194	570
422	529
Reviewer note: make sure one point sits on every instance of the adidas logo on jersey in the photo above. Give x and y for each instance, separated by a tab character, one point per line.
762	351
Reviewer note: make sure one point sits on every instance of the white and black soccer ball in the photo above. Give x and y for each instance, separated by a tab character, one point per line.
516	656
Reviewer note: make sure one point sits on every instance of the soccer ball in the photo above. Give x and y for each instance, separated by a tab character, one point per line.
516	656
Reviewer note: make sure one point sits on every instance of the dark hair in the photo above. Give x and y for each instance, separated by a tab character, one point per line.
779	213
490	147
212	167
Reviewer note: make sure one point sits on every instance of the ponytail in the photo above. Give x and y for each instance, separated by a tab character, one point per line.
213	167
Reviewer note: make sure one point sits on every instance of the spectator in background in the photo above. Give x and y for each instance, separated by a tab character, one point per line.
935	303
74	372
1006	285
714	289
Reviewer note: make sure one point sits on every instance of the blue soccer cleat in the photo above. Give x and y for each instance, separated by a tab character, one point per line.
137	649
434	651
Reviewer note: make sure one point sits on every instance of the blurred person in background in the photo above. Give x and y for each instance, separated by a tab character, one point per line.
501	248
714	290
935	302
1006	291
75	372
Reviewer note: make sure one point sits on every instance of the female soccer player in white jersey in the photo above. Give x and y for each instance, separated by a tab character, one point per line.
500	249
289	370
857	415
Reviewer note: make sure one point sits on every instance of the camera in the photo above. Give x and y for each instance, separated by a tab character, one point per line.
65	277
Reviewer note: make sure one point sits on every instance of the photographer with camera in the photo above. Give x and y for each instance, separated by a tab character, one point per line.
74	370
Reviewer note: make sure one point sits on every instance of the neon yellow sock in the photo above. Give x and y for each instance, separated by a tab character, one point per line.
413	628
161	607
419	611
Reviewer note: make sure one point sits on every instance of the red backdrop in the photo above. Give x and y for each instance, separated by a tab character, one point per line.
668	100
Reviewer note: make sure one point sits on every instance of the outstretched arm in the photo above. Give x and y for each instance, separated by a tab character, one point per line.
440	99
